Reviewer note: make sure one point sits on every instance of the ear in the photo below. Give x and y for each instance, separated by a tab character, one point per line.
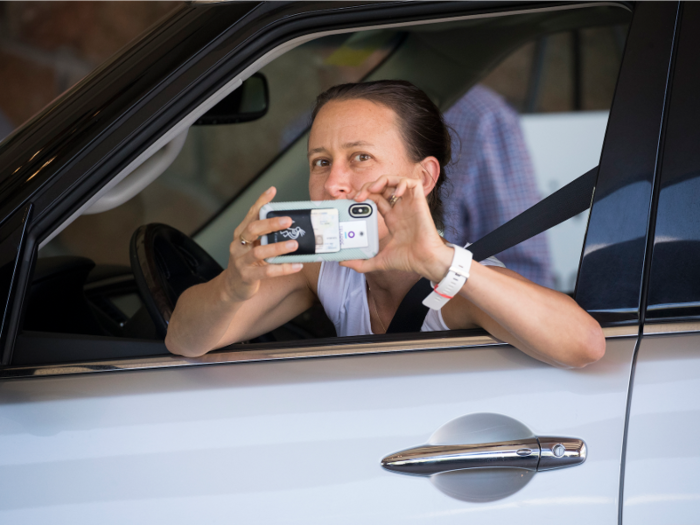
429	173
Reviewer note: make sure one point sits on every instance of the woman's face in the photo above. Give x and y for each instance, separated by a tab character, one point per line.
353	142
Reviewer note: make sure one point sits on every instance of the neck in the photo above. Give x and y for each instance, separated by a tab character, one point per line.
391	286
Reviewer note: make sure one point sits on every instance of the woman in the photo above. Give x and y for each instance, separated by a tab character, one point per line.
385	141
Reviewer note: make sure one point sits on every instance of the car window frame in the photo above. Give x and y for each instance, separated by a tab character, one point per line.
667	302
405	343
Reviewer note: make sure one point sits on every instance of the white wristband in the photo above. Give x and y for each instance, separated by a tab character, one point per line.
453	281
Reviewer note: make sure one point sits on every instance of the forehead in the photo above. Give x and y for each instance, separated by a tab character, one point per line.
347	121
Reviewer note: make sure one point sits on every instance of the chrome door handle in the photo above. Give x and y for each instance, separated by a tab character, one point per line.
535	454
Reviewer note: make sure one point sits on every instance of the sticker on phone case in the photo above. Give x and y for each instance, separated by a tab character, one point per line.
316	231
353	234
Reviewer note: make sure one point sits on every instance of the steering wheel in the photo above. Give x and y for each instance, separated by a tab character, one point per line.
165	263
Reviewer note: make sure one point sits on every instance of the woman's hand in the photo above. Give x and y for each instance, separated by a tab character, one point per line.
247	266
413	244
229	308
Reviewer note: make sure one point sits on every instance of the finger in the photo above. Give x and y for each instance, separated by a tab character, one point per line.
260	253
254	211
371	187
395	180
401	188
259	273
257	228
382	204
265	198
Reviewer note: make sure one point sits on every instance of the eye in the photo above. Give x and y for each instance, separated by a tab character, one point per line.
320	163
361	157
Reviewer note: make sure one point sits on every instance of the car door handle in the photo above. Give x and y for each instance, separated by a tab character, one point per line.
535	454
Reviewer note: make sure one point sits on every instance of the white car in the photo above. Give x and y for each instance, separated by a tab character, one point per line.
99	424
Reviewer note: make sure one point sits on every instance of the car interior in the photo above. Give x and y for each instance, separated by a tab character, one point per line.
113	275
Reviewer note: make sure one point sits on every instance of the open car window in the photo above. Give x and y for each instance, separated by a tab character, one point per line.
552	75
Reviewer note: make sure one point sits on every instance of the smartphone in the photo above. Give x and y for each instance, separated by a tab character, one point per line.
338	230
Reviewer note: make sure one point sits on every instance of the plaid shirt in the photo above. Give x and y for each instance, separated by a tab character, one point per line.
491	180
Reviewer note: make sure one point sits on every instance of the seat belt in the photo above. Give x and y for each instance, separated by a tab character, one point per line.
560	206
411	312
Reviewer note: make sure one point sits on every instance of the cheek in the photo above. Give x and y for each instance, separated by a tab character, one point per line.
316	190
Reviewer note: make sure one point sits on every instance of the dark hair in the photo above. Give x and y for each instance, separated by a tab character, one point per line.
421	124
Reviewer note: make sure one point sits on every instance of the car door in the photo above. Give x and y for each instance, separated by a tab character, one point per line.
659	475
297	434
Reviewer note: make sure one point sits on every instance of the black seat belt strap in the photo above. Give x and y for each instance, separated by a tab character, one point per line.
560	206
411	312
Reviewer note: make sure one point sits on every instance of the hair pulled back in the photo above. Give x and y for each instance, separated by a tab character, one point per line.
421	124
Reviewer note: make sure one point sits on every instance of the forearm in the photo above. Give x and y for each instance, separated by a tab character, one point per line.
543	323
201	318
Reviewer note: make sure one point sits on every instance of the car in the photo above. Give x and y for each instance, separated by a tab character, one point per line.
101	424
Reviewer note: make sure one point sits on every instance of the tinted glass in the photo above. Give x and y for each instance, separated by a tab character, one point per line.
562	87
610	276
216	162
674	287
11	235
525	122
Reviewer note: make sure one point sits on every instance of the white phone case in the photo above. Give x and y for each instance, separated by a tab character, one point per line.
330	231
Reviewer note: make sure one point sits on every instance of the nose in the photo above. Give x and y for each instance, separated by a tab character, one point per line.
338	184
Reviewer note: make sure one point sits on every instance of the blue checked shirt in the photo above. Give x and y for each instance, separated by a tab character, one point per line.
491	180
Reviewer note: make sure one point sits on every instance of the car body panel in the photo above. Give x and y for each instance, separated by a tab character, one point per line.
661	464
660	475
300	440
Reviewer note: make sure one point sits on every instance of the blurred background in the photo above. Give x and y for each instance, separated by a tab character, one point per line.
46	47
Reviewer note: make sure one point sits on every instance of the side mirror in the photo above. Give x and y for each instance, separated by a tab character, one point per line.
248	102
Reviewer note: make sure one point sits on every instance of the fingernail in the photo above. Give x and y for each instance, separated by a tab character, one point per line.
297	266
269	190
290	244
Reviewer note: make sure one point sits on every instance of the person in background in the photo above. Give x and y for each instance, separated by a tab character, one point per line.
492	180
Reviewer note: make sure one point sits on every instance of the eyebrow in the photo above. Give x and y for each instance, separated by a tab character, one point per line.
347	145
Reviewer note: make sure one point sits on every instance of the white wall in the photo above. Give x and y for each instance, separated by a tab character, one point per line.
562	147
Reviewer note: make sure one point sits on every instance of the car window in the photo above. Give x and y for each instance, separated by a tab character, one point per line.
217	162
562	86
546	106
526	96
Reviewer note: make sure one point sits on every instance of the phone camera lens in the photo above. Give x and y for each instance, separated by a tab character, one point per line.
360	210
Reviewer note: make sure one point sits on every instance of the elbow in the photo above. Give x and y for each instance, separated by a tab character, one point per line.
176	349
590	347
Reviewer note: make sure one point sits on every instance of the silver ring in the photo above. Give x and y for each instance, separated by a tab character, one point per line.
393	200
244	242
